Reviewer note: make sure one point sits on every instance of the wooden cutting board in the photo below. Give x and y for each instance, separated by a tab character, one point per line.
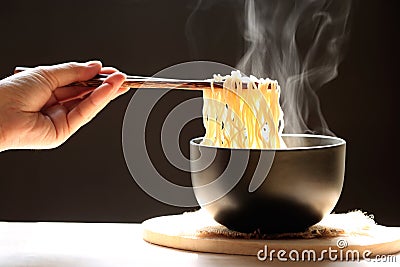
196	231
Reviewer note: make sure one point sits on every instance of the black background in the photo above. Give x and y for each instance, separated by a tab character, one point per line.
87	180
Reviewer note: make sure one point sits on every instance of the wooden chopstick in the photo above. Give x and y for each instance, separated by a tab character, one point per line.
139	82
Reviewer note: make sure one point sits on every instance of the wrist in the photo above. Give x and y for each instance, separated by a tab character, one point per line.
2	139
3	142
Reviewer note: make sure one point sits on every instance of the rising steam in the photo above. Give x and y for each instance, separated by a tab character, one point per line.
299	43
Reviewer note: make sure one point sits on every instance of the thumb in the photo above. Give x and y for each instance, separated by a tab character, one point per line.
63	74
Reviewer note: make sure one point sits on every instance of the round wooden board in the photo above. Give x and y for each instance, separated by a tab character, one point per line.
182	232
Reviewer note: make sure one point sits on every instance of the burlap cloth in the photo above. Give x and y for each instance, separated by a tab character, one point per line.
334	225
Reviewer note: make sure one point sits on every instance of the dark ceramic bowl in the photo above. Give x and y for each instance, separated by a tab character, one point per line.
273	191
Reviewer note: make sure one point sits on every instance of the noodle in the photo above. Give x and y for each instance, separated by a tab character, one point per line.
237	117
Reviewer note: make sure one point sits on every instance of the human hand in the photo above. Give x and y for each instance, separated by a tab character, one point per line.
33	114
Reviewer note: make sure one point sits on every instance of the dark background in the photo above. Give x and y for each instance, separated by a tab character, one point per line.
87	180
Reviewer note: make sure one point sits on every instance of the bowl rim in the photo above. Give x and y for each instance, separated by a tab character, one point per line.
340	142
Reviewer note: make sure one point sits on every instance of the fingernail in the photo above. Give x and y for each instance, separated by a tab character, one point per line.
119	73
93	63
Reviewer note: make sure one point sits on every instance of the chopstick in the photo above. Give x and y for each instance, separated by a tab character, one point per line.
136	82
140	82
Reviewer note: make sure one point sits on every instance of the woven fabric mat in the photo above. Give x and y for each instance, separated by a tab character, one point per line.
333	225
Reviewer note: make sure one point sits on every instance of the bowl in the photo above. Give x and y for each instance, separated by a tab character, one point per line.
269	190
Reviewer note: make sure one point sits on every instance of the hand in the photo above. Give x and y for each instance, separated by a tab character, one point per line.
33	114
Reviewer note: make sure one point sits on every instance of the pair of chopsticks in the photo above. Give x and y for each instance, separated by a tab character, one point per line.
138	82
145	82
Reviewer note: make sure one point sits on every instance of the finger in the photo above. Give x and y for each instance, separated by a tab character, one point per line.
63	74
51	102
72	104
70	99
121	91
94	103
108	70
64	93
58	115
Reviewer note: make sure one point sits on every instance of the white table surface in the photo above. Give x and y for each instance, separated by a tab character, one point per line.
103	245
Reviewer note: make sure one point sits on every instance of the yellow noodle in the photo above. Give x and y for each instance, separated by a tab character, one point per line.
243	118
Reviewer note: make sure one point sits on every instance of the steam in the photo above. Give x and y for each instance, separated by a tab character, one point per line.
298	43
